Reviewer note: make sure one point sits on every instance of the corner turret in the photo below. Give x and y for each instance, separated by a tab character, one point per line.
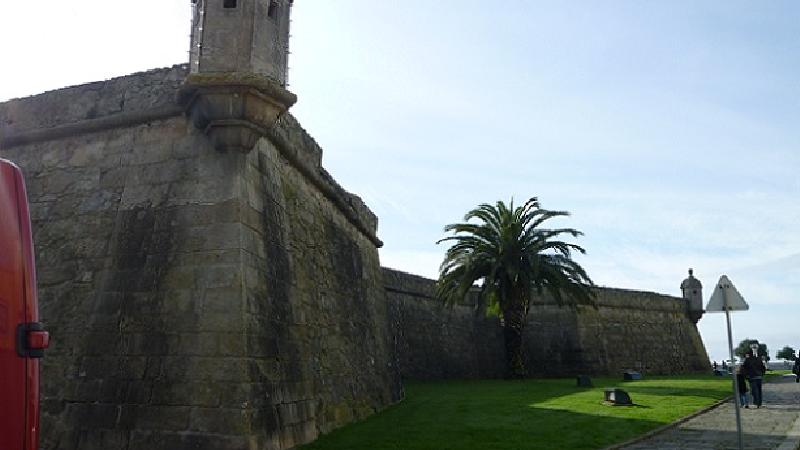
236	89
246	36
692	291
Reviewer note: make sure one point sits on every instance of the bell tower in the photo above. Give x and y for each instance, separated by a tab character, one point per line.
236	88
249	36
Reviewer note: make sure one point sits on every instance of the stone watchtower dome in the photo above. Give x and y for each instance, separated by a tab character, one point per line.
236	89
692	291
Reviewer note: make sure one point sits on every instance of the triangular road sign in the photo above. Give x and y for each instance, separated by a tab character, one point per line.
726	297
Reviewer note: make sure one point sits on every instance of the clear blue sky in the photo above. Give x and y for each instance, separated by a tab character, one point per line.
670	130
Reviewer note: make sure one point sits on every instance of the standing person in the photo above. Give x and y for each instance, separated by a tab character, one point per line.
742	387
715	366
754	369
796	370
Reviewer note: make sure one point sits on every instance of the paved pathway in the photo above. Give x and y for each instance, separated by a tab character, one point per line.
775	426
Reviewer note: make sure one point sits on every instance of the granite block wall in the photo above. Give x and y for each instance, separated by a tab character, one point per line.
433	341
638	330
314	290
208	300
628	330
195	299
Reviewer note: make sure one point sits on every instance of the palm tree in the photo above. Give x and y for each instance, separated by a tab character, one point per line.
506	249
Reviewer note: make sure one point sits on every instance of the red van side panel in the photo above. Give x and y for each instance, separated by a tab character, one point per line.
19	377
31	316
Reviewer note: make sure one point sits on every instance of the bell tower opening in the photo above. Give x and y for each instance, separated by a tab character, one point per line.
272	11
229	4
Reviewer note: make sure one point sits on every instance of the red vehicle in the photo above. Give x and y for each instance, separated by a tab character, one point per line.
22	337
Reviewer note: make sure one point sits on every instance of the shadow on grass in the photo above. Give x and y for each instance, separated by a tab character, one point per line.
526	428
495	414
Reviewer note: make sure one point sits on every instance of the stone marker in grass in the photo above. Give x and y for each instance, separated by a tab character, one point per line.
617	397
584	381
631	375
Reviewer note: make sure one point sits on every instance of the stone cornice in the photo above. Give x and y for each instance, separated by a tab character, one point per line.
12	138
609	298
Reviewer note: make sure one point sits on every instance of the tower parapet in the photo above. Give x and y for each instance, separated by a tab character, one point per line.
236	89
692	291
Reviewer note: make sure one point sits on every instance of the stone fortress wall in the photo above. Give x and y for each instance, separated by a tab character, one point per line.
196	298
204	299
207	299
630	330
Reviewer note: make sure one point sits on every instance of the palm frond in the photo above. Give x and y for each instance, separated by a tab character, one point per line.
506	249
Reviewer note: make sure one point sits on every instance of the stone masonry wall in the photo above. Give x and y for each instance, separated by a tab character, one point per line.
629	330
640	330
195	299
315	297
436	342
139	269
208	300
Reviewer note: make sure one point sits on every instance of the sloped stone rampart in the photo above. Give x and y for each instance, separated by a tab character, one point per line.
196	299
628	330
644	331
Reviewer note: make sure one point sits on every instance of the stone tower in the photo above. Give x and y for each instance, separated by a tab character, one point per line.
208	283
236	89
244	36
692	291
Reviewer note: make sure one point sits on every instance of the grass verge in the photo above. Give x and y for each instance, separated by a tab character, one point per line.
773	375
527	414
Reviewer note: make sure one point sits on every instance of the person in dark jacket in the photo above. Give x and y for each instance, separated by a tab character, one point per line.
754	370
742	387
796	370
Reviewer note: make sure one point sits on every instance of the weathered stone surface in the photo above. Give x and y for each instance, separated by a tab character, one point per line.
250	37
128	99
313	280
645	331
234	109
617	397
433	341
196	299
202	299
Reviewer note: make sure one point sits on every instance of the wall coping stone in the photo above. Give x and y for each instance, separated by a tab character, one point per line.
423	288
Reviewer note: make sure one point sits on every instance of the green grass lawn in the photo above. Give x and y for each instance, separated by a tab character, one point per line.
514	415
772	375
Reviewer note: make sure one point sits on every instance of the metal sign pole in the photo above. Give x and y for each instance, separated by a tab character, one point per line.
726	299
733	371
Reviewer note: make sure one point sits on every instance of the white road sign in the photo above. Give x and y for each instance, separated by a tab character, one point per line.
726	298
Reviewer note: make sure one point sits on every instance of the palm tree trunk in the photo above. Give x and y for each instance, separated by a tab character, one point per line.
514	321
